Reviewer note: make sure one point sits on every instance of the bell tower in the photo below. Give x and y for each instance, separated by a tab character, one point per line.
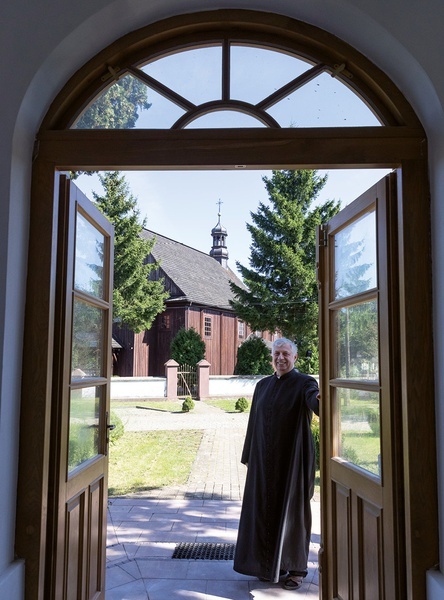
219	249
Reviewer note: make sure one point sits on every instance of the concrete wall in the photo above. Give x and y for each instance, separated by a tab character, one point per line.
221	386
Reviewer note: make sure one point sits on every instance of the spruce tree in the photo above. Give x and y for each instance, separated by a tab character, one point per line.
187	347
118	107
136	299
281	282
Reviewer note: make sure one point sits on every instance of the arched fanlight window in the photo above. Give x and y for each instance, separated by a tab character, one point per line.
228	69
227	84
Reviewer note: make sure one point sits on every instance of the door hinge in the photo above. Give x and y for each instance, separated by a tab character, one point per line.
323	236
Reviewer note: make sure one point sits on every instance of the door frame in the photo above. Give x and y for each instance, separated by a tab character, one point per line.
399	144
216	149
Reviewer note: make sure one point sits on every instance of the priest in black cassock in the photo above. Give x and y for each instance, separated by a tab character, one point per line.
275	523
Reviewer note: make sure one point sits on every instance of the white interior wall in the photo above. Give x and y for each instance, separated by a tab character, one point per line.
43	43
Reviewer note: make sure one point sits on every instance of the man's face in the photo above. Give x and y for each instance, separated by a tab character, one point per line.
284	359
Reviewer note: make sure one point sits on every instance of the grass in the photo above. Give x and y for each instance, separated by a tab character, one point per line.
146	460
160	405
363	450
226	404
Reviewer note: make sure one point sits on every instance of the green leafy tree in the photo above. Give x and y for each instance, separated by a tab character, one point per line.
281	283
253	358
187	347
136	299
118	107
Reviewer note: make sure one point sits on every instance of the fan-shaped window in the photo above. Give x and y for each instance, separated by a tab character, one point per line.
226	84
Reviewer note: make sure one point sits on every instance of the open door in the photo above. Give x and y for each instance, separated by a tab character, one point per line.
80	415
361	555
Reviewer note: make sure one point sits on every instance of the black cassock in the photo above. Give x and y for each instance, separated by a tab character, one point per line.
275	523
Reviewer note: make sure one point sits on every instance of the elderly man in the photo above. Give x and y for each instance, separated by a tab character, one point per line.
275	524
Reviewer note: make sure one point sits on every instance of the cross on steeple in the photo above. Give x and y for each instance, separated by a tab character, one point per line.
219	202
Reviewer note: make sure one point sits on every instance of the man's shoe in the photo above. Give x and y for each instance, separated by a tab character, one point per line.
293	582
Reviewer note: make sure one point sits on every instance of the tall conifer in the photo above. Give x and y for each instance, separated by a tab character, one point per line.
136	299
281	282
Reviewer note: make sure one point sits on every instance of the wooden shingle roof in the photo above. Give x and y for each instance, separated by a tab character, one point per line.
198	277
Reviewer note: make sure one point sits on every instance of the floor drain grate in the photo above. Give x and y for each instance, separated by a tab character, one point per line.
204	551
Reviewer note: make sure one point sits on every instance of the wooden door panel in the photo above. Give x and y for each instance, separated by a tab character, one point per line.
342	552
82	384
357	475
371	549
97	535
74	547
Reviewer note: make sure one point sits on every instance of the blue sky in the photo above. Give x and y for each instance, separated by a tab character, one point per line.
183	205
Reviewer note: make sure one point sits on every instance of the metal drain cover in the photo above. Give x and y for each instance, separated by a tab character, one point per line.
204	551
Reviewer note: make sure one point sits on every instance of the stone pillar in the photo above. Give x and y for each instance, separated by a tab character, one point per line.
203	379
171	378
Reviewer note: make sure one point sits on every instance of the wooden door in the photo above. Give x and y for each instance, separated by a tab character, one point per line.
81	398
361	552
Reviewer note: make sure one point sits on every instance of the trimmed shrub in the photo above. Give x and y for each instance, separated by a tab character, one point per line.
316	437
253	358
187	347
188	404
118	430
241	404
372	415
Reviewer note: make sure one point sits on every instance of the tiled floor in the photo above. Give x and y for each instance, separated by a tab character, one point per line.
143	531
143	534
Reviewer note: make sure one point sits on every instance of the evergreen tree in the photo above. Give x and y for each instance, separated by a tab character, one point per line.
187	347
281	283
136	299
253	358
118	107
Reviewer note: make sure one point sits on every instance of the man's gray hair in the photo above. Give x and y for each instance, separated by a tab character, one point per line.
282	342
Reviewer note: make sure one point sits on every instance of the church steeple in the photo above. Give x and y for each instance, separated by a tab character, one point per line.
219	250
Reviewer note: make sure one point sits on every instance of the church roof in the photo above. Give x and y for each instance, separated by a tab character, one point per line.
200	279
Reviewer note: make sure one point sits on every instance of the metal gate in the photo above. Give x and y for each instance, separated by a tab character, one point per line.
187	381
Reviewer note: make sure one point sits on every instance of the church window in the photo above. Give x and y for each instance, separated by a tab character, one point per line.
207	327
241	329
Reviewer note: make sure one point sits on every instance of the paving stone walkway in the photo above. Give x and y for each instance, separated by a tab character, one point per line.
144	529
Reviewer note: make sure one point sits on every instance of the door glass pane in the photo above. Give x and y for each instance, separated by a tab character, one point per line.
87	340
194	74
355	257
162	113
224	118
83	426
359	428
118	107
356	332
256	73
90	248
323	102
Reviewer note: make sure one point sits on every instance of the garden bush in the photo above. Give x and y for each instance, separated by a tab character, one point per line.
118	430
253	358
316	437
187	347
241	404
188	404
372	415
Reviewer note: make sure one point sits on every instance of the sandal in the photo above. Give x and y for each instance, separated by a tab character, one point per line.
293	582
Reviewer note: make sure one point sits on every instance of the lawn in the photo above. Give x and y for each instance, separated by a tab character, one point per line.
225	404
161	405
146	460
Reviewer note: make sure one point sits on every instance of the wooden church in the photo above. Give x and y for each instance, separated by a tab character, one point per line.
199	297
